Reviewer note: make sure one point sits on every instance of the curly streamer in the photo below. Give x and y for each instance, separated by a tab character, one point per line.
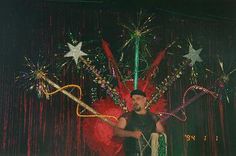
93	116
172	114
207	91
77	108
62	88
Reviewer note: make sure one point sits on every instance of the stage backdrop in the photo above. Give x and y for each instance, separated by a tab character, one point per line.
33	126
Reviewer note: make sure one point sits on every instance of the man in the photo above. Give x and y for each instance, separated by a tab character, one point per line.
137	126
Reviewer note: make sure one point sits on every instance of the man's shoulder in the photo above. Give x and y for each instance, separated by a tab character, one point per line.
126	115
151	113
154	116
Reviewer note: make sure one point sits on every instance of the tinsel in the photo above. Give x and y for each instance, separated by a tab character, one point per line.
163	86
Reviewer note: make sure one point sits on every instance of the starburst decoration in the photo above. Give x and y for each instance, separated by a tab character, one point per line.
223	78
29	78
141	29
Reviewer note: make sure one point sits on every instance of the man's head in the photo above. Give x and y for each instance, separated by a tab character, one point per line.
138	100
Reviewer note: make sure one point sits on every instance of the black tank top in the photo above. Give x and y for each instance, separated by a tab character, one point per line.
146	124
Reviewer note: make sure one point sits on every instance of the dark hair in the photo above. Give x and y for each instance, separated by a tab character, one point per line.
137	92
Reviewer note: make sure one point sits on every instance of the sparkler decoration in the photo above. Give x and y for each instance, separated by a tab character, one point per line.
137	34
35	77
41	76
192	58
76	53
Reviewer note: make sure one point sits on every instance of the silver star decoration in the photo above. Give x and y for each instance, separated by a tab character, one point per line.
75	52
193	55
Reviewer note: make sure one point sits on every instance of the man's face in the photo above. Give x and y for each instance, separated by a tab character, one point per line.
139	102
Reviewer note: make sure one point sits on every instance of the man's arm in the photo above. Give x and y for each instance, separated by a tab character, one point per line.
159	127
119	130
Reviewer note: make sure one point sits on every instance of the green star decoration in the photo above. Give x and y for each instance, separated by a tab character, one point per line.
75	52
193	55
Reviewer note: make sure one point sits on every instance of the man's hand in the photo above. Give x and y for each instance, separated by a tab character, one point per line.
136	134
119	130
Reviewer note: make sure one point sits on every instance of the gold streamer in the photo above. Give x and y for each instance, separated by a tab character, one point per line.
77	107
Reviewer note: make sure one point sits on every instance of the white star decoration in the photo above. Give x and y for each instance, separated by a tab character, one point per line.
75	52
193	55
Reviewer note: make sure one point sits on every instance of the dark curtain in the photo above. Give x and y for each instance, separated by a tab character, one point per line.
50	127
